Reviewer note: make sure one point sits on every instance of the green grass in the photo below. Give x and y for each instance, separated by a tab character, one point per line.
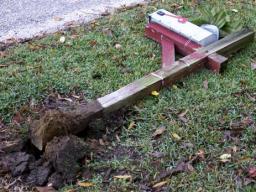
71	66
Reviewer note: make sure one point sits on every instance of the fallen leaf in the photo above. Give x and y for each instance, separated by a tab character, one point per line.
155	93
117	138
74	36
132	125
225	157
85	184
160	184
183	119
125	177
182	116
101	142
190	167
183	113
45	189
176	136
118	46
76	96
246	121
70	190
68	99
234	10
159	131
252	172
93	43
201	154
62	39
180	167
234	149
244	159
205	83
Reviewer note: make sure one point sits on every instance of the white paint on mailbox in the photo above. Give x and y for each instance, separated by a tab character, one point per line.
186	29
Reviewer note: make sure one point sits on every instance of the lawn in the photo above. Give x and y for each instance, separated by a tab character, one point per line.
204	115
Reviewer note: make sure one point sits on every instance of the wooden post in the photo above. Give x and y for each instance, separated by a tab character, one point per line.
61	123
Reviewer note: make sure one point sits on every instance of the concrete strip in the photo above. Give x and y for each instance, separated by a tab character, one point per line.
25	19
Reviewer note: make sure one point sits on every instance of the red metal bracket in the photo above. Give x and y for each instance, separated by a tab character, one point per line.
171	42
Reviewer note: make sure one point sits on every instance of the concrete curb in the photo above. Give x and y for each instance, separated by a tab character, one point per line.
61	22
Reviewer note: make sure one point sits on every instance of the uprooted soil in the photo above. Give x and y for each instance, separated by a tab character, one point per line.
58	165
62	161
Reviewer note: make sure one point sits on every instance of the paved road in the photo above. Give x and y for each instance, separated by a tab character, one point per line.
24	19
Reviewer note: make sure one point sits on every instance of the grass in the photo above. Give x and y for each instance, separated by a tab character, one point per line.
88	62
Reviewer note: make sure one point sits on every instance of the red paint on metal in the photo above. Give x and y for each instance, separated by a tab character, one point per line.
170	41
215	62
156	32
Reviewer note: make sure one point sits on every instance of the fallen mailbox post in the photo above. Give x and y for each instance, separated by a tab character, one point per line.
197	56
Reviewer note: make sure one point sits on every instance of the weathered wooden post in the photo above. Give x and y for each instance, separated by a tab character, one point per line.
56	123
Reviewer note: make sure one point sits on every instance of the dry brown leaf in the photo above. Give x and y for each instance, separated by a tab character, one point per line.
70	190
118	46
180	167
244	159
76	96
117	138
159	131
101	142
132	125
201	154
68	99
46	189
225	157
93	43
176	136
183	119
160	184
85	184
183	113
125	177
182	116
190	167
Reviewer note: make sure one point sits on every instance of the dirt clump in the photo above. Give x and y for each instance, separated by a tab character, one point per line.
17	163
59	164
64	153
